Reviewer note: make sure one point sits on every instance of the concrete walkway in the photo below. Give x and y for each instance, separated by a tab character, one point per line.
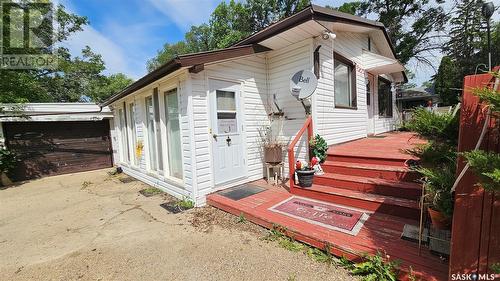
91	226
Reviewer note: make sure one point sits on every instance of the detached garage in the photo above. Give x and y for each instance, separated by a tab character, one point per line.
59	138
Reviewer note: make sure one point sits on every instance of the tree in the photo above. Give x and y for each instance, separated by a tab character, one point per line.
447	81
414	27
71	79
110	85
229	23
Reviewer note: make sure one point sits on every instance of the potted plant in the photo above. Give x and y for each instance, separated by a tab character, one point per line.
7	163
319	148
438	182
305	173
271	144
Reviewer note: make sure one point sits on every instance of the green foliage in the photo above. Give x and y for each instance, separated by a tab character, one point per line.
486	165
489	96
413	26
229	23
73	79
185	203
241	218
438	182
495	268
150	191
8	160
376	268
442	127
447	82
434	153
319	147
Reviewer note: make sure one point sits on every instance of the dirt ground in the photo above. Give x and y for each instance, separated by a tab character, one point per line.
92	226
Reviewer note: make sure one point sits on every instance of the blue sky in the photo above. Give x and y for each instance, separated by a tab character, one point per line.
128	33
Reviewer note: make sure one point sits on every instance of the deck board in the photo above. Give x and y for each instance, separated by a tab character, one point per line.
380	233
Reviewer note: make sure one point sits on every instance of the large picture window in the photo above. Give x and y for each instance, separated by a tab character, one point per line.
173	134
344	82
384	98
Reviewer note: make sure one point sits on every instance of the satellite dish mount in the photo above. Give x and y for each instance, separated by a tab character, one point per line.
302	85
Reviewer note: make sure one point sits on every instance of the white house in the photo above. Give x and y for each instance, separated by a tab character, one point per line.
191	127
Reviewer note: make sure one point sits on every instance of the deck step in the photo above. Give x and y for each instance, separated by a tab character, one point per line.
390	161
400	207
388	172
407	190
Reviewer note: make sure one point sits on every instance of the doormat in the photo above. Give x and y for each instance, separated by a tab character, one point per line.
241	191
332	216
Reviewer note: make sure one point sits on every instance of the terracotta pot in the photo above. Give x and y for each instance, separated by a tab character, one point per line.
439	221
273	154
305	178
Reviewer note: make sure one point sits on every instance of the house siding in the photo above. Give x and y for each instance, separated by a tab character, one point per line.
339	125
282	65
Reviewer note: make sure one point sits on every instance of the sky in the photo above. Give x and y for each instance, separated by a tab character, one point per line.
129	32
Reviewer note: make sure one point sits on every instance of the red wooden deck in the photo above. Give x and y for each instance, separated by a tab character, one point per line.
368	174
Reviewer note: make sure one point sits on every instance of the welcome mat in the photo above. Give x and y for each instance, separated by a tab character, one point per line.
241	191
332	216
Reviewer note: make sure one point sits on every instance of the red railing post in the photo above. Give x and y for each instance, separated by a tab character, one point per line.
291	153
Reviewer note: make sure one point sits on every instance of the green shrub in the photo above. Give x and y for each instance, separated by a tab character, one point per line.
185	203
489	96
438	182
8	160
434	153
486	165
375	268
319	147
441	127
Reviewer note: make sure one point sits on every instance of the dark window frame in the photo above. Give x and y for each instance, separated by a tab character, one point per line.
354	96
390	100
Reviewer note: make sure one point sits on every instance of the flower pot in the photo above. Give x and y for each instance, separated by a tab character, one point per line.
439	221
273	154
4	179
305	178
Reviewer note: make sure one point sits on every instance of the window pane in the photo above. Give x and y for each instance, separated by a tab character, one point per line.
133	138
173	134
342	84
226	101
156	105
151	133
384	98
123	137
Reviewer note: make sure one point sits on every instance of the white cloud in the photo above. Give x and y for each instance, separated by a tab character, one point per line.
112	54
185	13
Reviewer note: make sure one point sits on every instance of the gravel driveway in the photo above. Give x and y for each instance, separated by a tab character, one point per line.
92	226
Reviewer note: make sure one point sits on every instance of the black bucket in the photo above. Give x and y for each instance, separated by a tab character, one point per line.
305	178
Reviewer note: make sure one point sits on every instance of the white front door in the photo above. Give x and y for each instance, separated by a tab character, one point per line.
370	99
226	122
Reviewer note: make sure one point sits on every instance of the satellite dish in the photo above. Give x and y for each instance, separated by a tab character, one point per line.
303	84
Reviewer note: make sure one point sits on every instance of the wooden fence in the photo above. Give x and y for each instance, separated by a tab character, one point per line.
475	244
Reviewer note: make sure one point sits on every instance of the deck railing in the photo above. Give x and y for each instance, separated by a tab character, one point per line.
308	125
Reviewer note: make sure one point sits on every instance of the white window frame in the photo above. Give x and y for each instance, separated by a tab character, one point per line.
163	121
132	133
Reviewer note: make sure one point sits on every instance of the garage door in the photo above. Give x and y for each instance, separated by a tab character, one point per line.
54	148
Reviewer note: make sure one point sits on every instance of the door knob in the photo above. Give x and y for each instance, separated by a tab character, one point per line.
214	136
228	140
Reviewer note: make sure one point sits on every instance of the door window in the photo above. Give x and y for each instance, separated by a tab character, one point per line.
226	112
384	98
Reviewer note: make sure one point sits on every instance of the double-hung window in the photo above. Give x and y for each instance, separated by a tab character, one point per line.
344	82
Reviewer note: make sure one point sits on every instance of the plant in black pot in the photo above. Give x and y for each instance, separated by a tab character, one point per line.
305	173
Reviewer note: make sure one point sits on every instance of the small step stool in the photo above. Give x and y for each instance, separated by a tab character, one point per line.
274	173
